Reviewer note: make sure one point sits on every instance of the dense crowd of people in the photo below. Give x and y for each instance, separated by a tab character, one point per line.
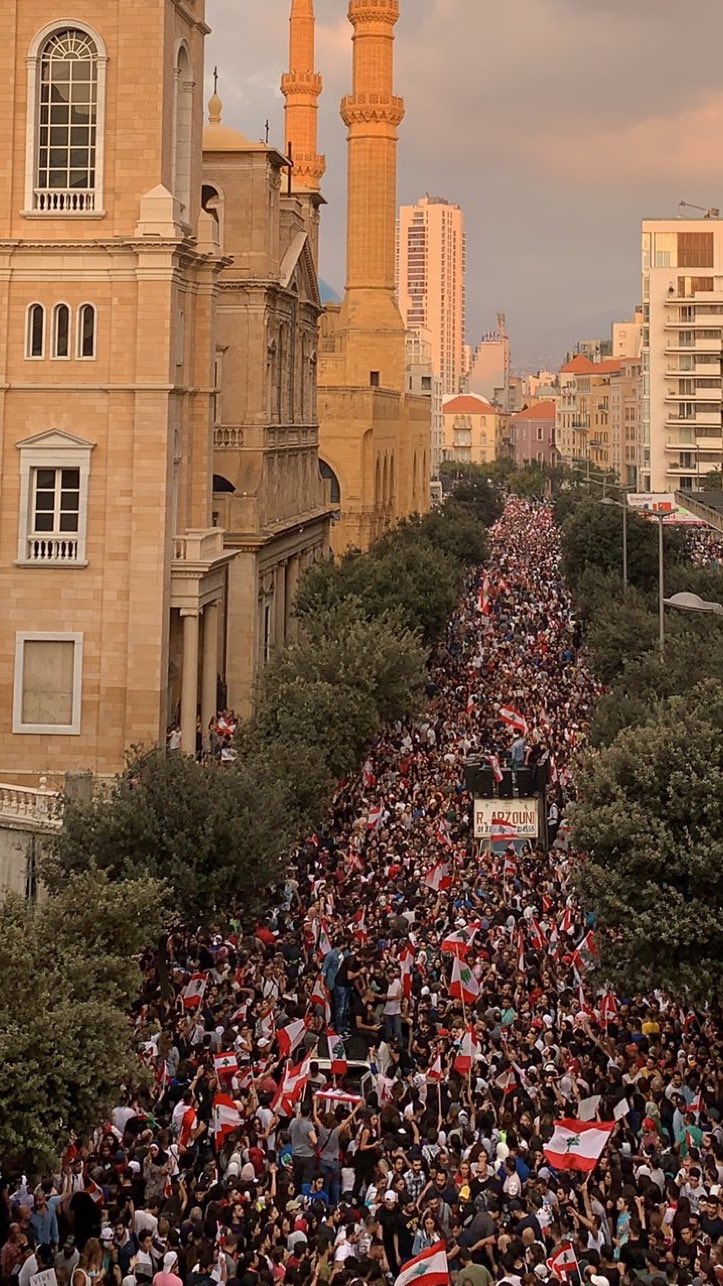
378	1068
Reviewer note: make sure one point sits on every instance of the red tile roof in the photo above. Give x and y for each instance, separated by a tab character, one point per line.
468	404
579	365
609	367
540	411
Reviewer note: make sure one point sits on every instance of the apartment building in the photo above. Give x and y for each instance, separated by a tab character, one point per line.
431	262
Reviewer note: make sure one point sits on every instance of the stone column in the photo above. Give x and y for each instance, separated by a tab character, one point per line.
280	605
209	670
189	681
292	585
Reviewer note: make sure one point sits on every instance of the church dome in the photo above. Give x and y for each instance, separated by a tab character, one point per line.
221	138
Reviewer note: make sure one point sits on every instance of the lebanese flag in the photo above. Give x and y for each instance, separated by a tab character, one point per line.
567	922
368	778
564	1261
578	1145
494	761
459	942
608	1008
470	703
536	936
463	984
507	1081
443	835
95	1192
188	1125
484	601
291	1089
587	946
375	817
428	1269
338	1096
319	998
406	966
513	719
435	1072
337	1053
323	942
225	1118
358	926
469	1052
291	1036
521	953
501	830
192	993
225	1064
439	878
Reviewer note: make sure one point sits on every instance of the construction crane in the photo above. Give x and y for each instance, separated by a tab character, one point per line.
712	212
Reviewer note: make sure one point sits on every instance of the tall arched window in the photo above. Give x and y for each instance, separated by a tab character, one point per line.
67	123
35	336
183	129
86	331
61	331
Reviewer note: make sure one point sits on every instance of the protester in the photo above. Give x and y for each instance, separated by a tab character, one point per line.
381	1065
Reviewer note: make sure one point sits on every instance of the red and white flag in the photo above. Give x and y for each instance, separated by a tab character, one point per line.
496	767
468	1053
375	817
439	878
513	719
291	1036
567	921
358	926
319	998
338	1096
536	936
225	1064
607	1008
225	1118
291	1089
501	830
337	1053
577	1145
459	942
586	948
368	778
507	1081
443	836
188	1125
463	984
192	993
428	1269
564	1261
484	601
435	1071
323	941
406	967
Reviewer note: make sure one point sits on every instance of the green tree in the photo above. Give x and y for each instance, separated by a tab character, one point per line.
592	537
216	836
409	577
484	498
334	689
650	817
69	975
452	529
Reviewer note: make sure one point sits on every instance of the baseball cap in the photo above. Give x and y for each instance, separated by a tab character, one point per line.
106	1234
170	1261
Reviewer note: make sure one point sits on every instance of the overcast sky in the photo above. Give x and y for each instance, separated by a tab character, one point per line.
556	124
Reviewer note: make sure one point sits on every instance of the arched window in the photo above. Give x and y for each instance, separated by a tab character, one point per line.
35	336
86	331
61	331
66	134
182	132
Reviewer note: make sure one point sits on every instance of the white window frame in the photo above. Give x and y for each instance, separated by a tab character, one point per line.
52	450
71	729
54	354
30	356
81	356
33	120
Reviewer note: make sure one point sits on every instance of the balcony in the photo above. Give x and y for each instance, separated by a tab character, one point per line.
198	546
700	345
28	808
52	551
64	201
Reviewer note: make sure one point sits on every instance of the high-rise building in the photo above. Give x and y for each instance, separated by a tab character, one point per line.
627	336
625	421
111	571
431	262
374	438
682	351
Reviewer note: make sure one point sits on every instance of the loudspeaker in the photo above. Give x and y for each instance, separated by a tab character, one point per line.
524	781
505	786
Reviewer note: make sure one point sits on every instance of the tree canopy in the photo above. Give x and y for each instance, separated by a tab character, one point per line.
649	815
66	1050
215	836
592	537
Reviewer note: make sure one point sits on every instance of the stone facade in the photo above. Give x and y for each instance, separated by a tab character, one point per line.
108	284
269	495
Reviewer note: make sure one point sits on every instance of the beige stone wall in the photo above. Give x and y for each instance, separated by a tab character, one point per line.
143	403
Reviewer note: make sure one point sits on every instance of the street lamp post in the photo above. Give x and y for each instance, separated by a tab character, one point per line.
660	519
621	504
